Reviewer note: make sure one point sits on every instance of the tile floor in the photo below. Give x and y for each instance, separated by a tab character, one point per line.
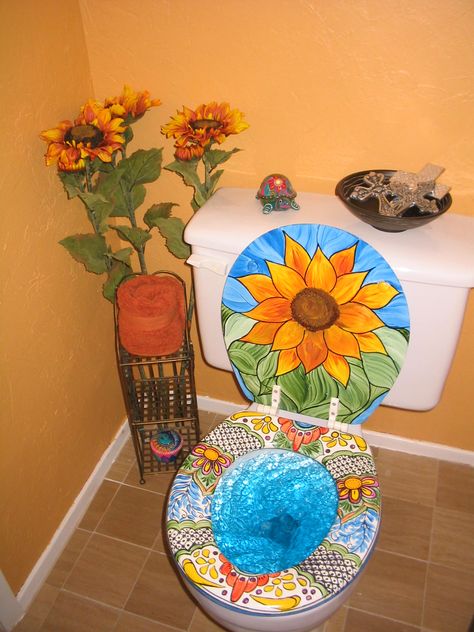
114	574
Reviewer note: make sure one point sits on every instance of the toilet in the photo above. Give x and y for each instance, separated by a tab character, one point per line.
274	514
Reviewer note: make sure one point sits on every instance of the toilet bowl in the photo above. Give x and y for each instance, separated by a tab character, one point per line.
316	327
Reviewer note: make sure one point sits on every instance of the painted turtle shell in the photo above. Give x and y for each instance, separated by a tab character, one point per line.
276	193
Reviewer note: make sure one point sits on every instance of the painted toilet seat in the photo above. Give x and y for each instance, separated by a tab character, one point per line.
320	314
324	573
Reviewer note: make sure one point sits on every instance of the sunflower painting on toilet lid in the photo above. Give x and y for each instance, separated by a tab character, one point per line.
319	312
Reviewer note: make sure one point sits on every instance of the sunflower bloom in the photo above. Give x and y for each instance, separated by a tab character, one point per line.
316	311
94	134
131	104
195	130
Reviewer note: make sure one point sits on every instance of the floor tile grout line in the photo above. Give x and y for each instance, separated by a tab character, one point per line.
408	557
382	616
122	541
107	507
192	619
147	557
66	579
141	487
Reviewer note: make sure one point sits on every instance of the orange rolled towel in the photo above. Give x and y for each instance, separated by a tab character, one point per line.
151	315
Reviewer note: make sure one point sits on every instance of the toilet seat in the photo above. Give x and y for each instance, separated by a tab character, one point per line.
324	573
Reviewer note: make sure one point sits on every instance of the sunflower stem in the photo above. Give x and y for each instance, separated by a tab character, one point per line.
140	250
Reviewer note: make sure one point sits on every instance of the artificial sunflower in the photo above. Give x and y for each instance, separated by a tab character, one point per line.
131	104
195	130
94	134
316	310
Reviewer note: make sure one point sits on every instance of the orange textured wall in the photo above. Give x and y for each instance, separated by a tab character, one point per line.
328	88
61	400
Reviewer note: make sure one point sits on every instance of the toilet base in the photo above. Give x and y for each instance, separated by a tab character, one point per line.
307	621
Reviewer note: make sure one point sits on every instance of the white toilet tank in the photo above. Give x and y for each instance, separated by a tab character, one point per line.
435	264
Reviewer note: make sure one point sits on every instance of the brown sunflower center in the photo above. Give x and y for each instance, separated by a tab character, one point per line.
314	309
205	124
87	134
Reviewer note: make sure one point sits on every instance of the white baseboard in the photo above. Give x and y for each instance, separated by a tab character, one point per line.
50	555
375	439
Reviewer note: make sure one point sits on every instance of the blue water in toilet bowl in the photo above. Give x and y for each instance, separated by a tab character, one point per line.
271	509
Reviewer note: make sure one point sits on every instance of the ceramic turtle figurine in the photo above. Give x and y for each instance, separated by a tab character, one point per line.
277	194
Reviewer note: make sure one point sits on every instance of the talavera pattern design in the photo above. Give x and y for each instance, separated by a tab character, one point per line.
322	574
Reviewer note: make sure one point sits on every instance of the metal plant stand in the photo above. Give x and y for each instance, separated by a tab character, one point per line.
159	394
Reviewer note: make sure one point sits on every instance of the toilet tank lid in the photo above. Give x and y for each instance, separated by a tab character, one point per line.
439	253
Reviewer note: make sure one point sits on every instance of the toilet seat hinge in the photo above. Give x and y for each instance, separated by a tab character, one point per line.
273	409
332	421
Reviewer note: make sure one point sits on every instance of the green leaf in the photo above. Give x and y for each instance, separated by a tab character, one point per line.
128	135
110	187
321	387
216	157
213	180
395	344
134	235
237	326
157	212
266	369
118	271
380	369
90	250
187	169
143	166
293	384
171	228
107	183
252	383
73	183
246	356
123	255
357	392
100	207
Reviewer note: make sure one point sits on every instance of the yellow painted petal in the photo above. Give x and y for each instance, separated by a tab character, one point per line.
296	256
271	310
194	576
357	318
370	343
375	295
320	273
312	350
260	286
287	361
347	287
262	333
338	367
341	342
285	603
287	281
343	261
288	336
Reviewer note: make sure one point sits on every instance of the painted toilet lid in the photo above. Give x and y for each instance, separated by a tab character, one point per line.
319	312
327	570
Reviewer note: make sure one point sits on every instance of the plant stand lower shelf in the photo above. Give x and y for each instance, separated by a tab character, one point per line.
159	395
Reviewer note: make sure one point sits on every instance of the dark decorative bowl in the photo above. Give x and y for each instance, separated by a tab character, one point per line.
368	210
